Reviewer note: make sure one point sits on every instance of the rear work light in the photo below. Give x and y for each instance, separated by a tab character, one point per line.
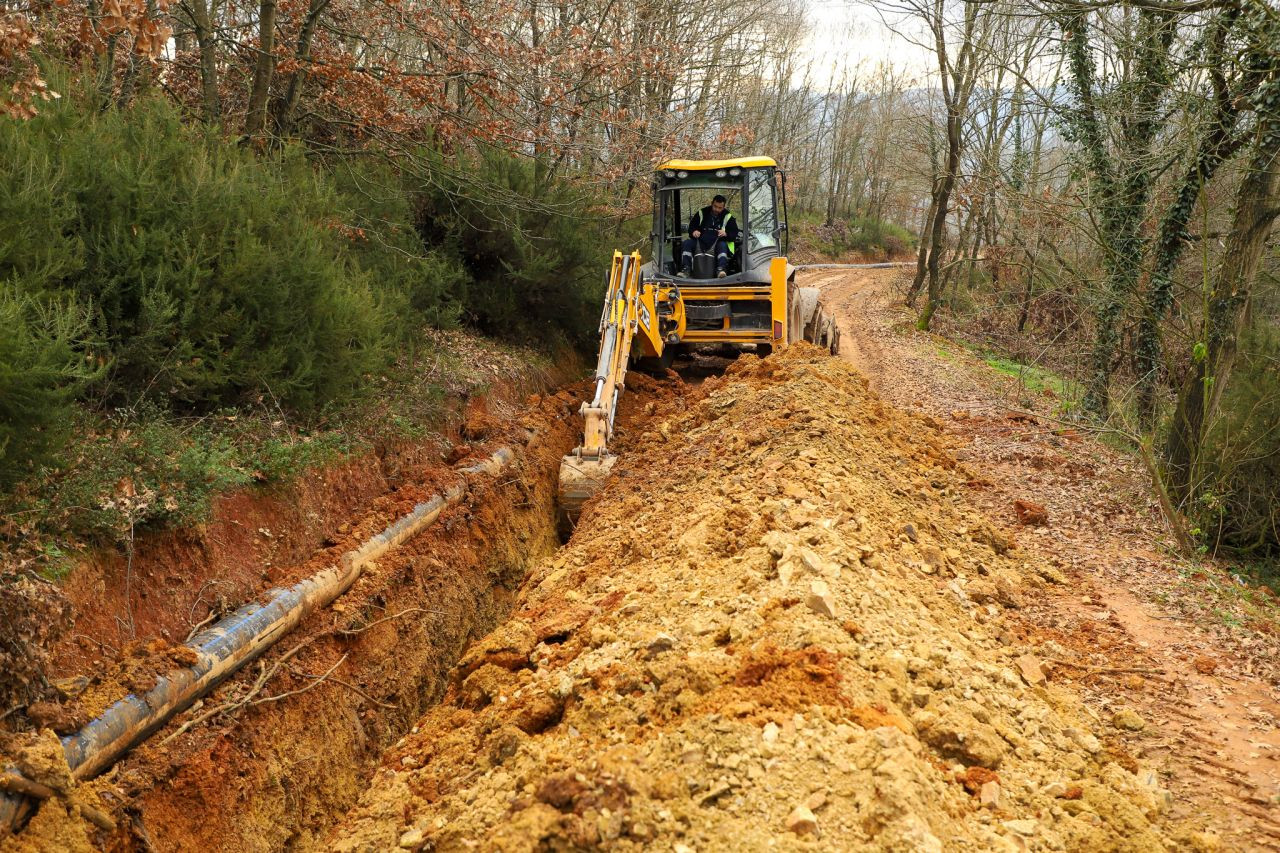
735	172
720	173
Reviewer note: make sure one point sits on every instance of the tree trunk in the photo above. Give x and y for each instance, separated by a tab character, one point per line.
202	24
288	104
922	256
1217	145
255	119
1028	288
1257	205
942	195
1121	184
926	228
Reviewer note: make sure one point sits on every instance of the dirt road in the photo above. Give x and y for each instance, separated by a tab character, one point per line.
1187	645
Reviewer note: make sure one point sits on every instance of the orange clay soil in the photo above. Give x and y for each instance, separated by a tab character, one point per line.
278	766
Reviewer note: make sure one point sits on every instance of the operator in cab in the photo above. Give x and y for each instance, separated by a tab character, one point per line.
713	226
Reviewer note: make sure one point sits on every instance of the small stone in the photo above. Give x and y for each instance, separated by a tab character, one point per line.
1205	665
933	556
820	600
802	821
816	800
1204	842
717	791
411	839
770	733
658	644
1030	513
1054	789
1129	720
981	591
1051	574
1029	666
1084	740
989	796
1007	592
1022	827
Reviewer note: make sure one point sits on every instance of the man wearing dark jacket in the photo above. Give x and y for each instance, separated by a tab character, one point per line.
712	226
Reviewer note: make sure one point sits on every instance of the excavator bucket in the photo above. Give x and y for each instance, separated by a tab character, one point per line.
580	479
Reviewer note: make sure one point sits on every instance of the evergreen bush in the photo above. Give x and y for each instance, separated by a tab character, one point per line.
214	273
534	255
44	363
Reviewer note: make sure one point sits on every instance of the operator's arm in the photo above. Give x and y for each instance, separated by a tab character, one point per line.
731	228
695	225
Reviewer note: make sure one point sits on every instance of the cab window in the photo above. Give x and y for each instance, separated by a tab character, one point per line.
762	214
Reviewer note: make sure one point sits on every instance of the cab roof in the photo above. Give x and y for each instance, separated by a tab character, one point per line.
711	165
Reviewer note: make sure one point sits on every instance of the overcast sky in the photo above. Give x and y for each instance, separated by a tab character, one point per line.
853	31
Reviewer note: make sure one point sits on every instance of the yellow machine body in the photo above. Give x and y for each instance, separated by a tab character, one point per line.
651	309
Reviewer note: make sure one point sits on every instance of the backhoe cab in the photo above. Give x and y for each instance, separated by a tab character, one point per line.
651	311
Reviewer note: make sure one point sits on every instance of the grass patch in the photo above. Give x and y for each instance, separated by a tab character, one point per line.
1031	377
861	236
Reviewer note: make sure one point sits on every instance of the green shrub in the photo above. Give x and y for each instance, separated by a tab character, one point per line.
534	255
43	366
214	273
418	284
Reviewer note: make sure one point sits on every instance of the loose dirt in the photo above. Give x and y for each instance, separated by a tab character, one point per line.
1191	647
783	624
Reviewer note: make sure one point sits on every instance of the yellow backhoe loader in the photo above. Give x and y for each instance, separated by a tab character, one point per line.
653	309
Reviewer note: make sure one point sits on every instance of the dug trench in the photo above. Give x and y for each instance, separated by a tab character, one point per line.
275	756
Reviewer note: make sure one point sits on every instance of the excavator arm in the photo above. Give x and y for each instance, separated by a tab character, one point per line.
582	472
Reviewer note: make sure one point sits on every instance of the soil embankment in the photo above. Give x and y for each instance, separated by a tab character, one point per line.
783	623
271	759
1189	645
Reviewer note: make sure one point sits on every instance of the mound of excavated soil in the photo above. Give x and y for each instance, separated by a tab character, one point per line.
781	625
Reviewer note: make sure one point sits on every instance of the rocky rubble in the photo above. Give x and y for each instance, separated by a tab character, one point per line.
781	626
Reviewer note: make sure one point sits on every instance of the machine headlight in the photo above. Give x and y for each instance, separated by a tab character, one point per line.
720	173
670	173
735	172
682	174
